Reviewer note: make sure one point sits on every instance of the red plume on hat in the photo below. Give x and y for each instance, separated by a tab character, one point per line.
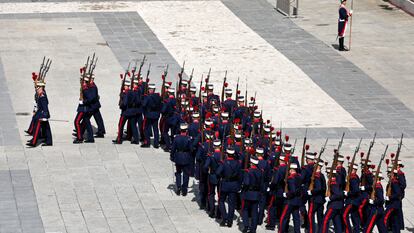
163	77
239	127
34	76
169	83
286	158
326	163
278	133
237	120
286	137
307	147
255	107
195	108
251	98
272	128
392	155
238	92
268	121
208	115
80	70
348	157
387	161
246	134
129	74
278	148
362	154
252	151
212	125
206	80
121	76
84	69
229	141
217	134
226	84
203	89
373	166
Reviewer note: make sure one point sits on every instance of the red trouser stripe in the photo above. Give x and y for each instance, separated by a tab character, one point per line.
36	133
310	217
371	223
77	123
361	209
282	217
268	208
345	217
388	215
326	220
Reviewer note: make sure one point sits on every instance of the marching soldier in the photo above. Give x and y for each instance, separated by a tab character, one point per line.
306	174
293	201
317	199
171	119
376	210
181	156
393	203
152	109
96	105
201	174
41	117
230	173
263	165
352	203
367	181
344	14
335	201
82	119
252	185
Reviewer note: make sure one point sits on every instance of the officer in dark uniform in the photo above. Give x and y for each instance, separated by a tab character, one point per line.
152	109
352	203
393	203
96	105
335	205
230	172
342	23
264	166
376	209
341	173
252	184
181	156
403	185
211	165
41	118
123	105
306	174
293	201
229	104
317	199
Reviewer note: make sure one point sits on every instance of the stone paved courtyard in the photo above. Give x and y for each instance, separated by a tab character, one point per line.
103	187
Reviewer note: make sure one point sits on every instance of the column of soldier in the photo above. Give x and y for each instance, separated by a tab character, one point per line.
240	161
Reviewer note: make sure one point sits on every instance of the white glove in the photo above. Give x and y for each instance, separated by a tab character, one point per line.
327	199
309	193
268	189
43	119
351	11
284	195
80	101
371	201
362	188
387	198
345	193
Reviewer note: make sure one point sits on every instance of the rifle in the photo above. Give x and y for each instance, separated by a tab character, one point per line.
189	83
139	70
182	71
304	149
222	144
371	144
377	174
237	89
164	76
133	73
334	162
287	173
351	165
199	92
83	72
147	79
312	183
245	95
41	68
207	79
45	69
224	86
90	65
394	166
294	146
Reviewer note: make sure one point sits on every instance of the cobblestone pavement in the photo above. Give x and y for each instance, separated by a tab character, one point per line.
122	188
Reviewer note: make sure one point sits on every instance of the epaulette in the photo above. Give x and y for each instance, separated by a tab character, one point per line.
401	173
394	180
354	176
317	174
378	185
291	176
333	181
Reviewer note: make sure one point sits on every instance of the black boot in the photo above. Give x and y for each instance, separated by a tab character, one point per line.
341	44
